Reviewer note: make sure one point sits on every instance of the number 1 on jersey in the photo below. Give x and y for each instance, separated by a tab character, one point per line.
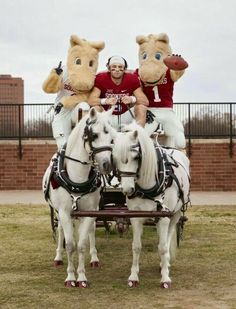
156	94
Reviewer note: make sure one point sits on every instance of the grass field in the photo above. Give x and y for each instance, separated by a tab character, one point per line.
203	275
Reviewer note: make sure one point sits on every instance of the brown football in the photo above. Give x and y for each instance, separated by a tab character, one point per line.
175	62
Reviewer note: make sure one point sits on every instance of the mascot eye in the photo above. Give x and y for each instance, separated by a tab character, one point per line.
91	63
77	61
144	56
158	56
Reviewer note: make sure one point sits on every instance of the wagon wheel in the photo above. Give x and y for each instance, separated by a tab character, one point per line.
180	229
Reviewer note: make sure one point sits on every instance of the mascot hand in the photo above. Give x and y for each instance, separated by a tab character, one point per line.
58	108
59	69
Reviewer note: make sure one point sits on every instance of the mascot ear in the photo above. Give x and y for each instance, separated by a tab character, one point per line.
75	40
140	39
163	37
97	45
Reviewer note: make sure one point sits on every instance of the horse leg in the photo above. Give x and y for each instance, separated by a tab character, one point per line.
60	240
172	240
163	250
94	262
137	226
67	226
84	228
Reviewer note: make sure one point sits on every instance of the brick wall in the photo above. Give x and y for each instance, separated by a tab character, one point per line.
212	168
27	173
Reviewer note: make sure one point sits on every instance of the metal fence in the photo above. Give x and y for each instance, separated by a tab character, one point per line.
200	120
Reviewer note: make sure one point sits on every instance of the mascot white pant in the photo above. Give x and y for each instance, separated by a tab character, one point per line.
63	121
172	126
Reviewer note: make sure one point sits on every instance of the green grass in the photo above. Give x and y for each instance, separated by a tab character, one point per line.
203	274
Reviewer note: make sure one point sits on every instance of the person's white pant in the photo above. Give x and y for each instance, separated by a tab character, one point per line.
172	126
123	119
63	121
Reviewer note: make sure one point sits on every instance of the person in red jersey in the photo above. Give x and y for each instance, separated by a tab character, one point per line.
122	89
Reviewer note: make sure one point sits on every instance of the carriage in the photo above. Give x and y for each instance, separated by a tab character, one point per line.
159	199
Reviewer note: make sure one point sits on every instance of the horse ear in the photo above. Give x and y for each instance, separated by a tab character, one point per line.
92	113
110	111
134	135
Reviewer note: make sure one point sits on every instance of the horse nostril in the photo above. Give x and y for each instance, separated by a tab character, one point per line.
106	166
129	192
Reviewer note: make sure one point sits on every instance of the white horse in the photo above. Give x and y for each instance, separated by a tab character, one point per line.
89	143
150	184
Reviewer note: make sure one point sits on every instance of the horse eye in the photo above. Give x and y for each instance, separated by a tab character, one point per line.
158	56
77	61
144	56
91	63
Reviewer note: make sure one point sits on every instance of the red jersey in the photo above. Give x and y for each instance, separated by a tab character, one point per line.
160	95
108	88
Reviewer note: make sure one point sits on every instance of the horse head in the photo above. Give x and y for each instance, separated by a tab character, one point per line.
152	50
98	137
82	63
134	158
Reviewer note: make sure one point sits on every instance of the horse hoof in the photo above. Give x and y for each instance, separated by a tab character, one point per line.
82	284
94	264
58	263
133	283
70	284
165	285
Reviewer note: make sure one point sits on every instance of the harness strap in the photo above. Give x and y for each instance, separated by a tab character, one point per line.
90	185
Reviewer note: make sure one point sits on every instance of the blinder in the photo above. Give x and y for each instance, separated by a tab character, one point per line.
89	137
137	149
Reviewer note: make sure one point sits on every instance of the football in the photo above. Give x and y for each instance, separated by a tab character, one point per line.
175	62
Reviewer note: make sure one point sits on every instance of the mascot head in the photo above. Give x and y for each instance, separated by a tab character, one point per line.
82	63
152	50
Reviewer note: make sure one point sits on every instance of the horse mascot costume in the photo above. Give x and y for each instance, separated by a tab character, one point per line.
158	85
73	84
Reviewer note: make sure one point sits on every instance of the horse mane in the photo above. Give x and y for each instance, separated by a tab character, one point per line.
149	159
76	135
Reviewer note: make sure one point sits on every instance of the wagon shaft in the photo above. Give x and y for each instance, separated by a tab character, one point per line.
117	213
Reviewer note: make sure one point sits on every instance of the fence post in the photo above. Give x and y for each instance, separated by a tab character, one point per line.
231	131
20	150
189	152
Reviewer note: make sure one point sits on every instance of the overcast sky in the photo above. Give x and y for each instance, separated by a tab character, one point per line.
34	37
